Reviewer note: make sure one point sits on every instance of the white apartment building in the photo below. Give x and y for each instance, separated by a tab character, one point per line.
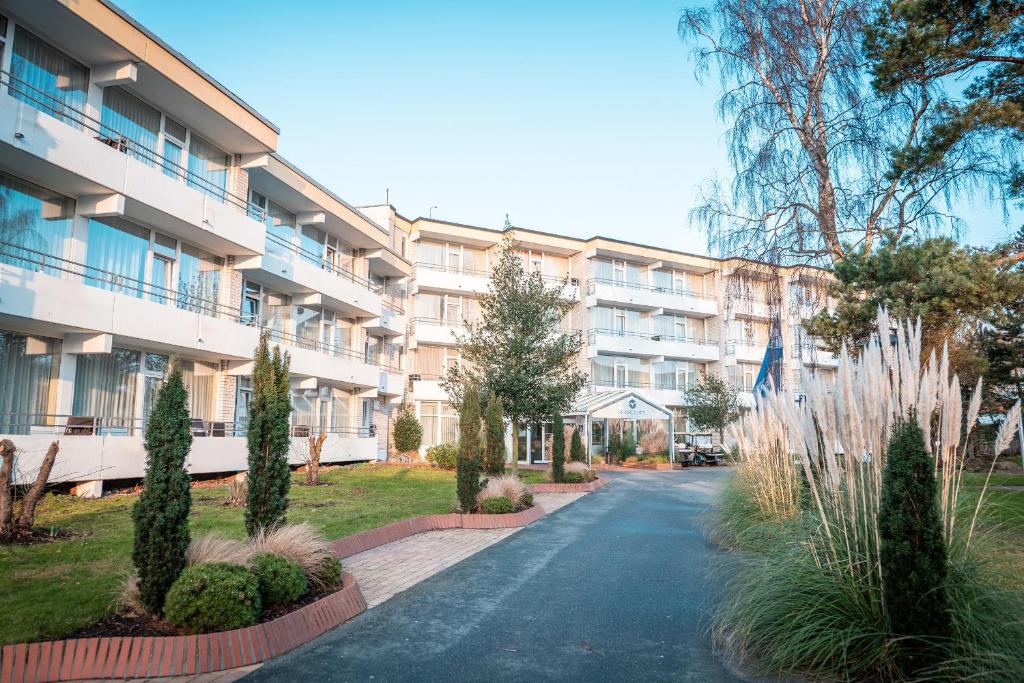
144	213
652	320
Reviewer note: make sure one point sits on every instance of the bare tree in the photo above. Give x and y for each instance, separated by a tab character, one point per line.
810	143
316	445
27	517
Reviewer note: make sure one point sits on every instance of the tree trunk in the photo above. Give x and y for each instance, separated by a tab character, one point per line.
6	499
316	444
515	447
28	504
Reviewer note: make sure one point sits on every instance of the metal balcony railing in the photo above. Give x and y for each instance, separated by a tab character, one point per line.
122	142
440	267
652	336
313	344
99	425
593	282
66	269
276	243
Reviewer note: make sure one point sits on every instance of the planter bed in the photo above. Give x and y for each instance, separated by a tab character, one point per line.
148	656
588	487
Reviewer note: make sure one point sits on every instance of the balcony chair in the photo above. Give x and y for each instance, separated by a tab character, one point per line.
81	426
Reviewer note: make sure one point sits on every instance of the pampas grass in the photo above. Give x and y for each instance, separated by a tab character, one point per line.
216	548
508	485
302	544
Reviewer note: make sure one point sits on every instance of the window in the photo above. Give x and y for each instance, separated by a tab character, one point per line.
341	410
131	123
34	223
115	256
174	148
46	79
27	368
207	167
105	386
198	280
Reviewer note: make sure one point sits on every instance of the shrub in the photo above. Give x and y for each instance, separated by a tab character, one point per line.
573	478
912	551
632	459
628	447
506	485
214	597
576	451
494	429
654	442
281	581
160	516
526	500
216	548
558	449
498	505
302	544
408	433
268	440
443	455
467	470
330	573
614	454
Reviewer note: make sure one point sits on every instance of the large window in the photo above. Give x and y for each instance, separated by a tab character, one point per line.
208	167
440	423
198	280
126	116
105	386
616	371
116	256
34	223
46	79
28	367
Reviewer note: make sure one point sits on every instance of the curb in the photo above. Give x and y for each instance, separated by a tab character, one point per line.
142	656
589	487
366	540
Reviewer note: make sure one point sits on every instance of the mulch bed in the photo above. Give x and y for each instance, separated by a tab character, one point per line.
128	623
35	536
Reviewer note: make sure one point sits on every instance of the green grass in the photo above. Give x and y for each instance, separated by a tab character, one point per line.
998	479
51	589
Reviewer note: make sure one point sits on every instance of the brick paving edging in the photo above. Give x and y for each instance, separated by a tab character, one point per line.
588	487
366	540
141	657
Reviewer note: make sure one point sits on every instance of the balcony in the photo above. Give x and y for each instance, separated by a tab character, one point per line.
749	307
605	292
391	323
336	365
812	356
739	351
66	296
73	153
312	280
426	387
439	278
646	345
435	331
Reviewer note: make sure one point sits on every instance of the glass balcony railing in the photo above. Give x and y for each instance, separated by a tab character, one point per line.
122	142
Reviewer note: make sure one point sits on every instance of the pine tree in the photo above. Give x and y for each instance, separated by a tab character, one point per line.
160	516
494	456
269	474
558	446
576	451
912	551
467	465
408	430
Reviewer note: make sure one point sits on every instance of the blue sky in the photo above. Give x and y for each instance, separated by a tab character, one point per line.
572	117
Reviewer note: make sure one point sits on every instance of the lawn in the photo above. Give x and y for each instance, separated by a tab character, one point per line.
51	589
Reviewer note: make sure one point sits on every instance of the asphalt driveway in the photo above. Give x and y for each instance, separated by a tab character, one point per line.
613	587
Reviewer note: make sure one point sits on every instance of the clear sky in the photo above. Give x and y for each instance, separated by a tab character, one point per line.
580	118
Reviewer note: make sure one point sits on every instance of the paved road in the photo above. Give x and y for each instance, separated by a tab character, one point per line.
613	587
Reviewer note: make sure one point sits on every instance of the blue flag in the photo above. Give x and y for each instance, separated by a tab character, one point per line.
771	366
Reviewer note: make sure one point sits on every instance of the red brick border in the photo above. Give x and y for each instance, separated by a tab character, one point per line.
589	487
141	657
357	543
640	466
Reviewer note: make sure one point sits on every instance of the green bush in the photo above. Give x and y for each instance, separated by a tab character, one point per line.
526	500
214	597
912	552
330	573
614	454
558	448
443	455
494	430
408	432
469	462
499	505
281	580
267	438
573	477
576	451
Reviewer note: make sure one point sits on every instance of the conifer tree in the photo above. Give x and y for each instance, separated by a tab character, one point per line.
408	430
494	457
467	464
912	552
160	516
558	446
576	451
269	474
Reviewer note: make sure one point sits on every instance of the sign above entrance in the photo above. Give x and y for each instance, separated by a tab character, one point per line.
631	407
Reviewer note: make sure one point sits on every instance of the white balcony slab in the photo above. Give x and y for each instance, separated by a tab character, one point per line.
389	324
450	282
430	333
646	347
428	390
391	384
54	306
819	358
744	353
609	294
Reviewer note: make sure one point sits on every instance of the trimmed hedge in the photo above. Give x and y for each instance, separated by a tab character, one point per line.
214	597
499	505
443	455
281	580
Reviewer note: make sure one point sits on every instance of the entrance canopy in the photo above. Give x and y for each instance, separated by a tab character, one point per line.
600	411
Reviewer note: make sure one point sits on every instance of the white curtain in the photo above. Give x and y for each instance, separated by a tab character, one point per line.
341	410
32	218
46	79
198	280
25	383
125	115
117	248
105	386
208	167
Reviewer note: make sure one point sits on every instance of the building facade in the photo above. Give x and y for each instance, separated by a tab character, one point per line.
145	214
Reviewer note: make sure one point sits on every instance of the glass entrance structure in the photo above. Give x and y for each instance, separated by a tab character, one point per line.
601	413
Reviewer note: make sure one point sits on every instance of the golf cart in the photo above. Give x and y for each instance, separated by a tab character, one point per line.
697	449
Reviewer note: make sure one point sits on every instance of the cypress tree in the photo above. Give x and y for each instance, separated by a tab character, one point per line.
576	451
494	457
558	446
912	550
269	474
614	454
467	464
408	430
160	516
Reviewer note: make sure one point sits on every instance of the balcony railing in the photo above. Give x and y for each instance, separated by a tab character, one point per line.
594	282
66	269
440	267
276	243
428	320
623	384
312	344
98	425
652	336
122	142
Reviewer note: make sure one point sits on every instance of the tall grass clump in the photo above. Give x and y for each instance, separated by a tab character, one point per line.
819	606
